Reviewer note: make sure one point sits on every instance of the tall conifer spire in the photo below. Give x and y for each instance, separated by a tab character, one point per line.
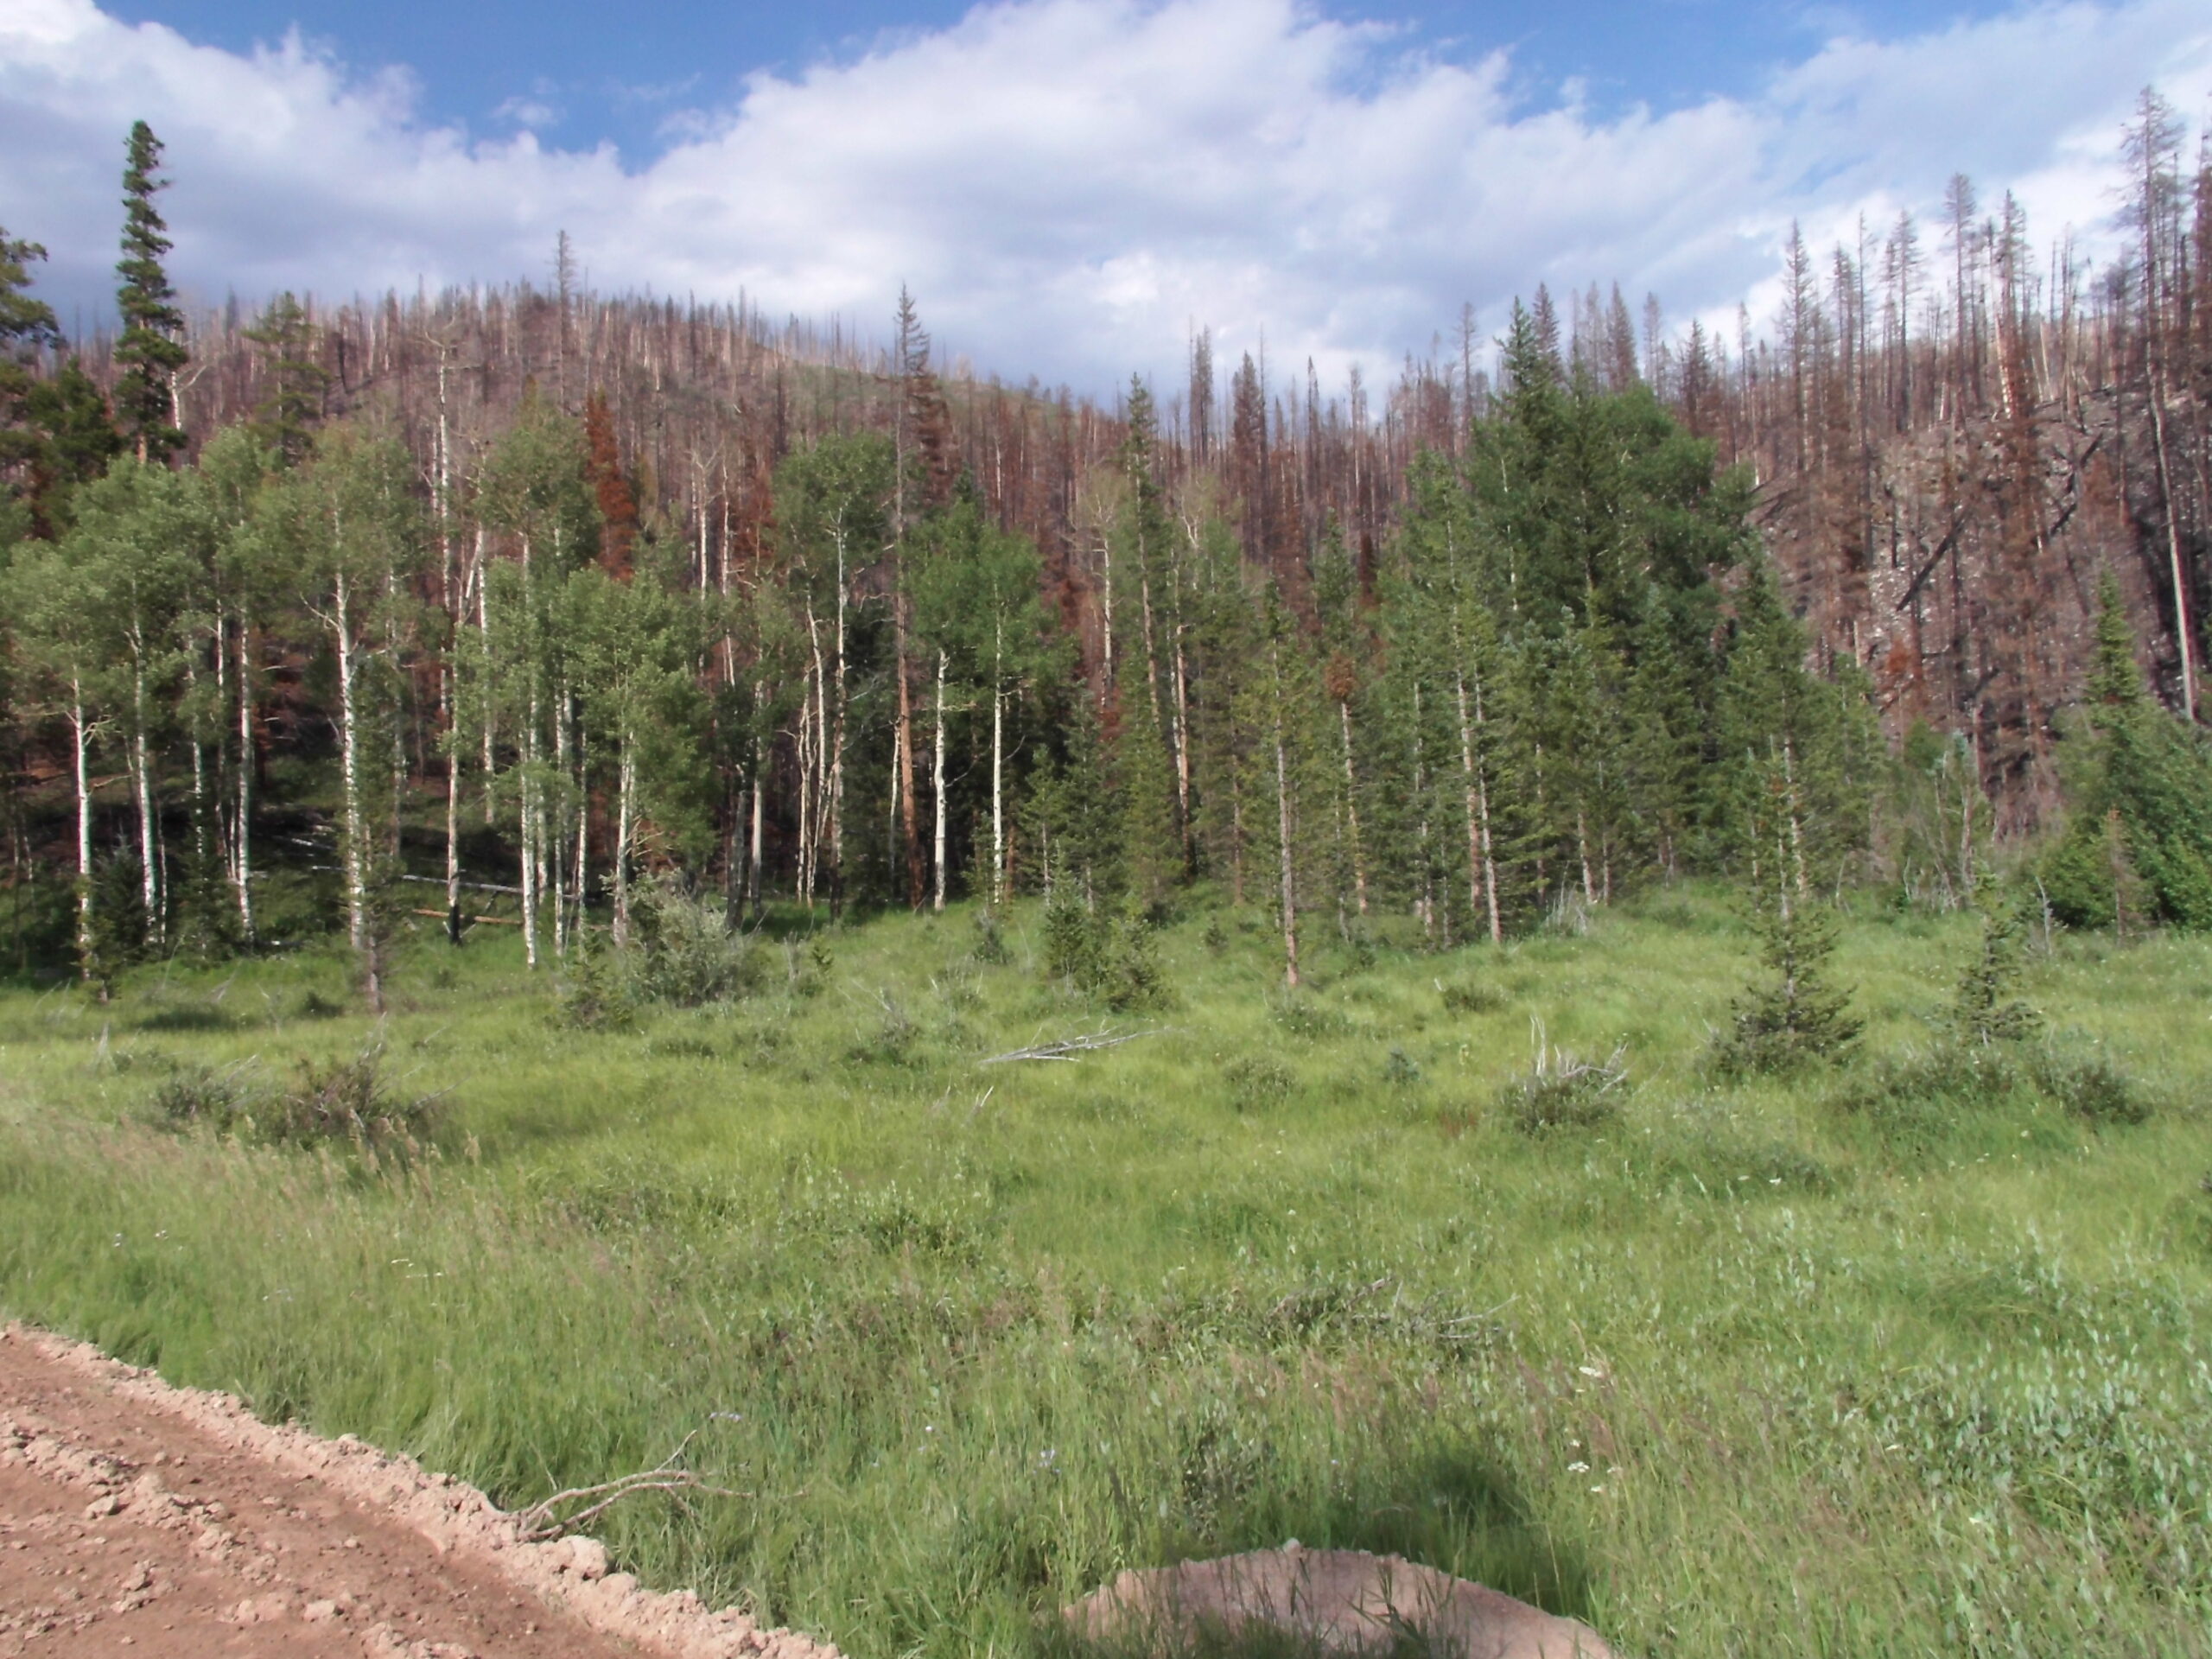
151	350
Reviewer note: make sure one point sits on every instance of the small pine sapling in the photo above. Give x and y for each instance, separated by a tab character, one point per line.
1984	1011
1794	1016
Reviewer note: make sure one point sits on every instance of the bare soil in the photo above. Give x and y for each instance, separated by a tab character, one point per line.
139	1518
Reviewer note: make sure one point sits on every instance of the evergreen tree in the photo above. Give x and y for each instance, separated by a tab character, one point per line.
2142	808
151	351
1983	1010
295	384
76	442
27	330
1794	1016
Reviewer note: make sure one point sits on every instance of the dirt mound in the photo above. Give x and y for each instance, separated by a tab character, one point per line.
137	1518
1340	1601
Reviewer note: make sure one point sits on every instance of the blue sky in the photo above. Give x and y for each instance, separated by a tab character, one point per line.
1070	187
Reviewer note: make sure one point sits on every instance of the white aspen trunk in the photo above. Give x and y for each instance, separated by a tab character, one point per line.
2181	626
1582	852
1424	898
80	743
1106	598
562	747
937	785
1182	752
998	765
1351	817
1282	842
836	757
526	797
1474	794
242	845
580	876
625	793
1490	864
753	880
349	752
142	786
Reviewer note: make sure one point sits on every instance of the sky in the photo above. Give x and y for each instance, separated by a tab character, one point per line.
1067	186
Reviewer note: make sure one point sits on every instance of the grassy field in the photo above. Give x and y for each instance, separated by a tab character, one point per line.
1910	1357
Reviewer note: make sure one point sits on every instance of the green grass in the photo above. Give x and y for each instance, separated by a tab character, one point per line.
1847	1364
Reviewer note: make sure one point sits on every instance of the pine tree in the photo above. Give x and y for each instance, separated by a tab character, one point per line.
2142	808
150	352
1983	1010
28	329
1794	1016
295	384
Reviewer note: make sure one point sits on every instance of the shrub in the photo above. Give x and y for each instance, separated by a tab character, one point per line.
1561	1091
1472	996
197	1096
990	938
595	993
684	948
1924	1088
1302	1016
1256	1081
2089	1083
347	1100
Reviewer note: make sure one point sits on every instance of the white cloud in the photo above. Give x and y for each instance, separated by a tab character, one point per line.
1066	185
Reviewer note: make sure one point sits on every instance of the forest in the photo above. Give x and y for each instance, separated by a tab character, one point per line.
902	993
531	593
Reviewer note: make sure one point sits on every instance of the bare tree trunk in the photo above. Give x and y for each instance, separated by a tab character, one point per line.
838	754
1283	843
561	746
908	826
625	793
998	765
242	842
80	743
1477	866
142	786
349	752
1351	816
937	784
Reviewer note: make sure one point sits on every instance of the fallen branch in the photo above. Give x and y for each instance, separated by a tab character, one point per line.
544	1520
1070	1048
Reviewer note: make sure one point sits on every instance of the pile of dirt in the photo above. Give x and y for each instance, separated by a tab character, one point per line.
136	1517
1336	1601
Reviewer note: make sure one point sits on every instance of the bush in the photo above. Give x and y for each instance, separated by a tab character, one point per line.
2089	1083
1561	1090
595	993
197	1096
683	948
347	1100
1256	1081
1302	1016
1472	996
990	939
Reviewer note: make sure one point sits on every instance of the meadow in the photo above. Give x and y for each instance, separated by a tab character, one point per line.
1906	1356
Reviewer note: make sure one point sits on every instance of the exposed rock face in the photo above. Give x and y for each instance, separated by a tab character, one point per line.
1339	1601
